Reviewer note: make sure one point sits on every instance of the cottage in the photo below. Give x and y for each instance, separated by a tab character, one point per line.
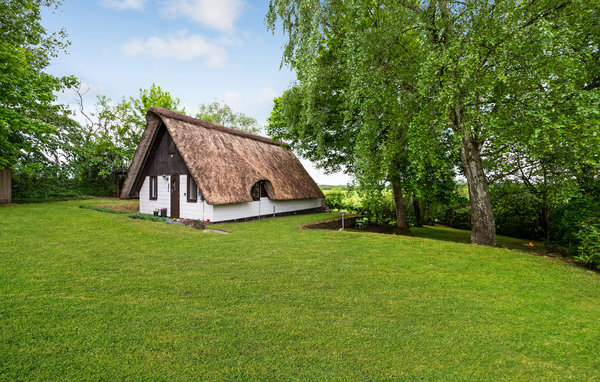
200	170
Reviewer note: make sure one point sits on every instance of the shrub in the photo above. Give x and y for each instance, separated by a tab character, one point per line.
458	218
565	221
516	211
102	209
380	209
334	200
588	237
147	217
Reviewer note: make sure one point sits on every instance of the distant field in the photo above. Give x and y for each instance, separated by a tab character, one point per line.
87	295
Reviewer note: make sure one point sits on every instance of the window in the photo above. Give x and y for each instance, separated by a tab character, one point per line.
255	192
258	191
153	188
192	190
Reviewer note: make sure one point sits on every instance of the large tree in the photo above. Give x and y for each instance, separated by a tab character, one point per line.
29	114
345	111
484	74
222	114
102	148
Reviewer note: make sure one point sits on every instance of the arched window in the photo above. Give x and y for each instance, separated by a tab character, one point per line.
258	191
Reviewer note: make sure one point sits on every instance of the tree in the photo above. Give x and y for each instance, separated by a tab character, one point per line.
29	115
222	114
348	110
104	147
483	73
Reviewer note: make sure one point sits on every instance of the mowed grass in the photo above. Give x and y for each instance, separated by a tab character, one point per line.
86	295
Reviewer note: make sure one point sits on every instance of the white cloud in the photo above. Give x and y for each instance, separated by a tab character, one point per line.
216	14
179	46
124	4
234	100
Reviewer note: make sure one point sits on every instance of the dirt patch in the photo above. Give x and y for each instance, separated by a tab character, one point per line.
333	224
217	231
349	224
127	207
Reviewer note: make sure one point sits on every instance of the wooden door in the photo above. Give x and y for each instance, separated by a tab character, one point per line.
175	196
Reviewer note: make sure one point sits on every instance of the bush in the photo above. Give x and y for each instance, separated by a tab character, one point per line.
147	217
516	211
565	221
380	208
27	188
458	218
588	237
334	200
32	189
102	209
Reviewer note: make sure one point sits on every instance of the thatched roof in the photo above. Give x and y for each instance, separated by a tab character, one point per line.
224	162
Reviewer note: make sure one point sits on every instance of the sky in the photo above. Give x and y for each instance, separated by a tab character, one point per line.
197	50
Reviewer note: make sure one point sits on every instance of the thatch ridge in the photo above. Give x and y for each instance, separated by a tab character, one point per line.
209	125
225	163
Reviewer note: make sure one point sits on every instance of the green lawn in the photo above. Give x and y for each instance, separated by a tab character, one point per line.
87	295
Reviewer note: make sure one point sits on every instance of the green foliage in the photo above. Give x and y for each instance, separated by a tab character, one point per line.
334	200
28	188
400	82
588	237
565	221
459	218
30	118
147	217
222	114
517	211
102	150
102	209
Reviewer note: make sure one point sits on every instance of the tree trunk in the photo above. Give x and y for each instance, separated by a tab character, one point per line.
417	208
401	224
482	218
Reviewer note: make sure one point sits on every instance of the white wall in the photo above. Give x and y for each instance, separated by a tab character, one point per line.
204	211
199	210
163	200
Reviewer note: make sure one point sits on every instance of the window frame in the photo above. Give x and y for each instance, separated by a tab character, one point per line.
153	187
190	199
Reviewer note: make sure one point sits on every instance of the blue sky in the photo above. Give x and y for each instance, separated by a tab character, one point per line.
198	50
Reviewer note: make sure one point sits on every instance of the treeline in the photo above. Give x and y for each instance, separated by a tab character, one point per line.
53	154
92	158
407	96
89	158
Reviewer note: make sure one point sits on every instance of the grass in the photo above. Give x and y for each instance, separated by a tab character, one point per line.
464	236
87	296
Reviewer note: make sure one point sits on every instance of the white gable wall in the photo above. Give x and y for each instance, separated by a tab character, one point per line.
147	206
199	210
204	211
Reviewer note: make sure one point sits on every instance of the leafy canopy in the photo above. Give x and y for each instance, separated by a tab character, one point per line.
222	114
29	115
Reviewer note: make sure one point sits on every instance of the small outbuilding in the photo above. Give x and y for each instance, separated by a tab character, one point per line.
5	186
200	170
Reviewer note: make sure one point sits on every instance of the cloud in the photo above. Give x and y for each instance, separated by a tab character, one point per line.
220	15
124	4
179	46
